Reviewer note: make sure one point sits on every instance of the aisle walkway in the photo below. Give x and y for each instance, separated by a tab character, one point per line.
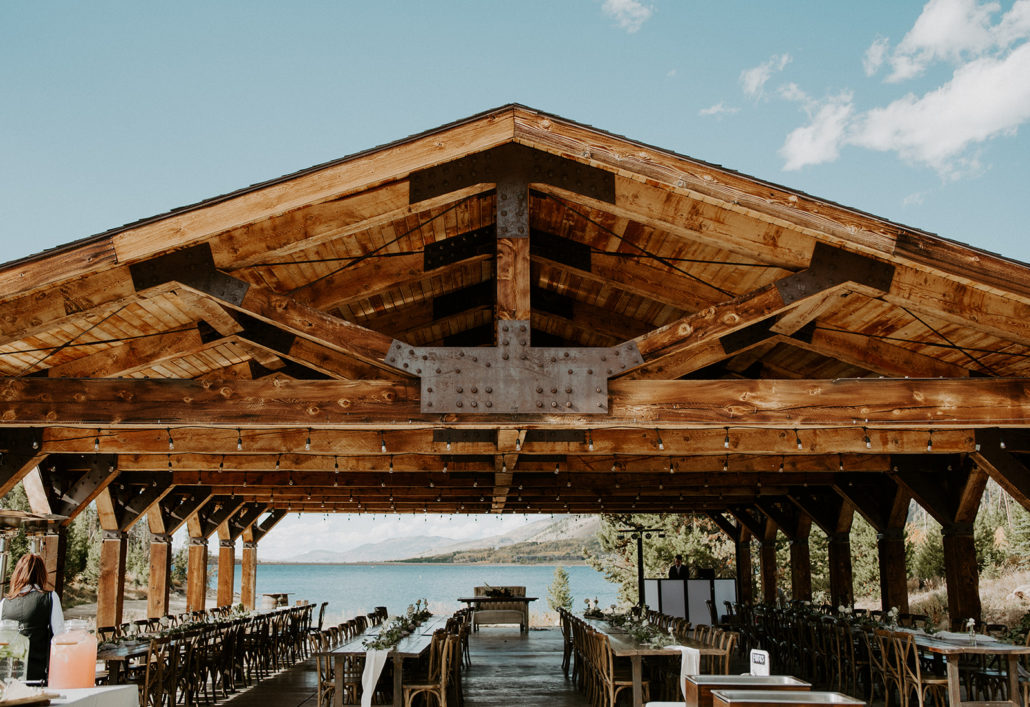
511	668
508	668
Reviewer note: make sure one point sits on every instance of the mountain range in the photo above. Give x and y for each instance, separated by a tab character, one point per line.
564	536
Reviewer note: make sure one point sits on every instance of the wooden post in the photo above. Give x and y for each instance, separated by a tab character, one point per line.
842	586
111	584
800	570
160	571
890	545
961	572
745	586
53	547
226	571
196	575
768	569
248	574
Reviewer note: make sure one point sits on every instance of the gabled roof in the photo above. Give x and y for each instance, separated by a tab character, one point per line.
711	274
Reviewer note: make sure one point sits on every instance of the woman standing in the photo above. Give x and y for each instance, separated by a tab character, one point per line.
38	611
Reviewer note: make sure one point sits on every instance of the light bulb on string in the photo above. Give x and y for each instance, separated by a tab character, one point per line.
661	443
239	440
171	442
868	442
96	442
929	442
797	439
590	442
307	441
726	439
382	443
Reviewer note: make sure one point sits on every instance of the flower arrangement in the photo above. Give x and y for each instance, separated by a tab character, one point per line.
497	591
399	626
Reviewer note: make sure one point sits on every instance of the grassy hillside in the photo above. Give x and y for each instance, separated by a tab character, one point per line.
554	551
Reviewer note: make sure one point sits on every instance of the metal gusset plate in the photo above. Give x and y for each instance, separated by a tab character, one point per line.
514	377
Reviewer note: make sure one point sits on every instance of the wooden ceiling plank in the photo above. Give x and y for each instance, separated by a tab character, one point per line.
875	355
131	356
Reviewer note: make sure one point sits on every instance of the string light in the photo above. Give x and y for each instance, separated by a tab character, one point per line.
726	463
1001	443
840	462
518	444
277	462
169	462
797	438
590	442
391	464
726	439
382	443
781	465
239	440
445	466
929	442
661	444
96	442
307	441
221	464
615	466
171	442
868	442
336	471
557	468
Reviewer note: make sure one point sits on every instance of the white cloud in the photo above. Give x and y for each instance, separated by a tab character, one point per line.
914	199
875	55
984	99
819	141
753	80
630	15
953	31
988	95
718	109
671	73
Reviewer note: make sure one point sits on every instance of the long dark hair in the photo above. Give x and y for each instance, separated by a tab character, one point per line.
30	570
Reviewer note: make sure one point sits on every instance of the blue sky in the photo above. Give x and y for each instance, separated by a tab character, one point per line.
114	111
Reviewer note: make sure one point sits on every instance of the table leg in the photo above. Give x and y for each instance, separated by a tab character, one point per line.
1014	694
954	683
398	683
114	672
638	680
338	692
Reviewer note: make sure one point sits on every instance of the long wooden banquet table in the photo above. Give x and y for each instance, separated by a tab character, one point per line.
952	646
412	646
623	646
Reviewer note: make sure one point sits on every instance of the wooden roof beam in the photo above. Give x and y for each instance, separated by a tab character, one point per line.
173	509
886	403
194	268
1002	465
22	450
830	269
65	484
949	487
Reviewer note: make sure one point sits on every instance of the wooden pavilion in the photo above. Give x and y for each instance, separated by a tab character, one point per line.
515	313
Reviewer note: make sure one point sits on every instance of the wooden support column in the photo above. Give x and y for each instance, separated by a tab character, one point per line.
251	535
111	584
842	583
201	524
745	586
961	573
164	518
767	561
53	547
226	571
160	572
884	504
890	547
949	487
834	515
248	573
196	575
800	570
741	537
797	526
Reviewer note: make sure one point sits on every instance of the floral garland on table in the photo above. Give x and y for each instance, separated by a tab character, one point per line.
399	626
637	626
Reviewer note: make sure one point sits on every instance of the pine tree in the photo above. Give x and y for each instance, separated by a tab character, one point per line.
559	596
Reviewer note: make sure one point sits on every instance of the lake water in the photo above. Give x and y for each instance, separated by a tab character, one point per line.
356	589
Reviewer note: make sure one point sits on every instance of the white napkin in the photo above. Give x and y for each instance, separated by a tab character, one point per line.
690	664
375	661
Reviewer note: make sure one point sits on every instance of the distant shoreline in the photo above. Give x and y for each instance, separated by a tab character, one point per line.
418	563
